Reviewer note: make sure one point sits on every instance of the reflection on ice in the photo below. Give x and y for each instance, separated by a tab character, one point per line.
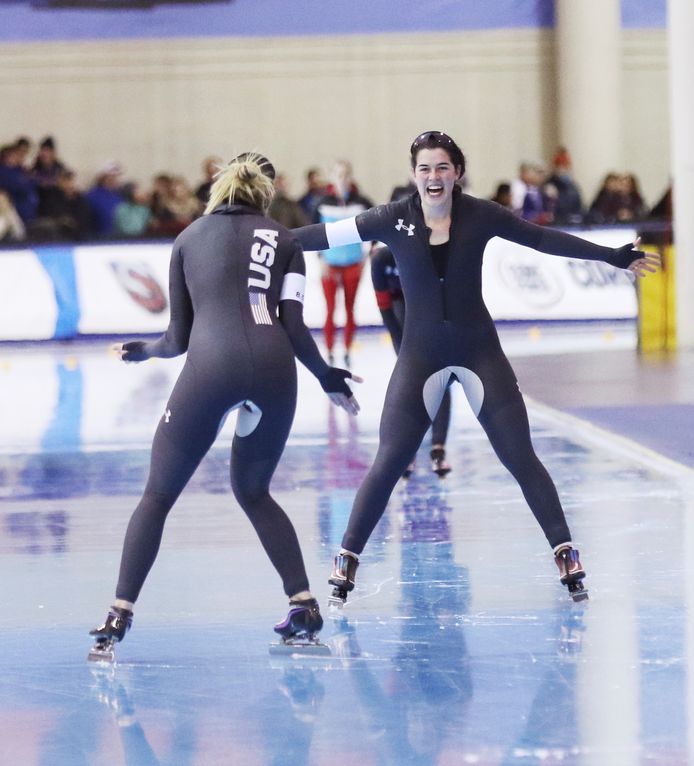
458	645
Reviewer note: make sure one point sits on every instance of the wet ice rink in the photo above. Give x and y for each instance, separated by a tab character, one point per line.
458	646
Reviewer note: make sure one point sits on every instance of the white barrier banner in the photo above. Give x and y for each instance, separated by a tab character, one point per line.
123	288
27	299
522	284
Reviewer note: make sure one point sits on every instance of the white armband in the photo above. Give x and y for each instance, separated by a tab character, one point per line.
342	232
293	287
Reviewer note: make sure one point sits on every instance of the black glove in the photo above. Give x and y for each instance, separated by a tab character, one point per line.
623	257
134	351
333	381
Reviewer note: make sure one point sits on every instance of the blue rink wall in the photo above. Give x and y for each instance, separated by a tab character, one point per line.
66	291
56	20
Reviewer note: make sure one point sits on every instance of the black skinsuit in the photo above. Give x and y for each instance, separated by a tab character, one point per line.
391	303
226	282
449	332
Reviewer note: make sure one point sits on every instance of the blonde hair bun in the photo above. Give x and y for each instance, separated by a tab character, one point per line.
247	180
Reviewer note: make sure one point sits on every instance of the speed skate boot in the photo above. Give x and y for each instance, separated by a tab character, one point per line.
571	572
299	628
118	623
344	571
438	462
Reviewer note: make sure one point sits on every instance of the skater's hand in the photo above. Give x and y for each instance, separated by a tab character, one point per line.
132	351
335	386
636	261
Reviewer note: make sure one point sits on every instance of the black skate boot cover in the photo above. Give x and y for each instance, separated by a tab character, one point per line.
304	618
438	461
118	622
570	568
344	571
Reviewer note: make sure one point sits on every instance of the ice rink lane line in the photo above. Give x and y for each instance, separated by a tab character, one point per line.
601	437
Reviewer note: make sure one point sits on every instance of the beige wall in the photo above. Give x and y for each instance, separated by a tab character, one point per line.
646	109
164	105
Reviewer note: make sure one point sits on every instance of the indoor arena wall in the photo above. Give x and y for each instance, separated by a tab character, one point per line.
164	104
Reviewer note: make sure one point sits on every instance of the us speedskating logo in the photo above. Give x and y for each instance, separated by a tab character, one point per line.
141	284
401	225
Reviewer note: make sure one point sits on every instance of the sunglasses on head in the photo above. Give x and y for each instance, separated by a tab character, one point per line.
437	137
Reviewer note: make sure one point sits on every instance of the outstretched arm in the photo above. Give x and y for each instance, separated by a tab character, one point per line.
312	237
291	315
348	231
627	257
175	340
637	261
555	242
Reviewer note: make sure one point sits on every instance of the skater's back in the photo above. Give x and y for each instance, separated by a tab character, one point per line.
227	273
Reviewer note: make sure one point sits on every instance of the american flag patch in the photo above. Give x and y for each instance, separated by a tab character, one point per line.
259	310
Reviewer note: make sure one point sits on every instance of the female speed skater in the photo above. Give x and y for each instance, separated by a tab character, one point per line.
438	236
236	290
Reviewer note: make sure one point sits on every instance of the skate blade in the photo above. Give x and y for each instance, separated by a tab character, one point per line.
338	597
301	647
578	591
102	656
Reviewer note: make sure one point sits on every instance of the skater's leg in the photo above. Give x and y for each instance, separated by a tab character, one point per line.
250	481
505	420
439	433
350	281
329	281
509	434
403	424
439	426
253	462
184	435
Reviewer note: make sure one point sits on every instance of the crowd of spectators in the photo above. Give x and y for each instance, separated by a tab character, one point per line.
41	200
552	197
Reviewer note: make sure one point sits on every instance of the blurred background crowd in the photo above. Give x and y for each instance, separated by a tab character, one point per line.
42	199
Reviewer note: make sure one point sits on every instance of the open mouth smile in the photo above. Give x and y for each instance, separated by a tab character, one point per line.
435	190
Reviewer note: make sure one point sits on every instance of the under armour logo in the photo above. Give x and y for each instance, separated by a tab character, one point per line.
408	228
167	415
